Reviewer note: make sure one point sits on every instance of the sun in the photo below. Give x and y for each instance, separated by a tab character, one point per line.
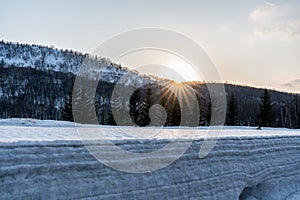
182	71
162	64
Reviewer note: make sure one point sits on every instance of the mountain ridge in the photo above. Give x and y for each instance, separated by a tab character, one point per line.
29	72
55	61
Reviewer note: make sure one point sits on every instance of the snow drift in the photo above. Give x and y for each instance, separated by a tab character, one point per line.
46	159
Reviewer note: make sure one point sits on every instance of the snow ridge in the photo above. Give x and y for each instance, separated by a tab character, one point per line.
239	167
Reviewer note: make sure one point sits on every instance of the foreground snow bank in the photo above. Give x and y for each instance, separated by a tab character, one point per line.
34	122
46	159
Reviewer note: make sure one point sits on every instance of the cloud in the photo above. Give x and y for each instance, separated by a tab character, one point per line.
264	11
271	20
292	84
280	29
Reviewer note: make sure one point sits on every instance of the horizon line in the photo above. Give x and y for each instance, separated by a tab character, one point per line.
163	78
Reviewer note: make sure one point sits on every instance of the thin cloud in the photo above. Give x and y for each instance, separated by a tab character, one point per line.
272	21
264	11
292	84
281	29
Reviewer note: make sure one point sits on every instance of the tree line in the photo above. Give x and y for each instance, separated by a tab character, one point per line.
168	113
31	93
266	116
35	82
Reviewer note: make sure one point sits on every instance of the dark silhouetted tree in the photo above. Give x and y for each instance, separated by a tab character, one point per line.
266	114
143	116
84	106
232	111
139	106
207	113
111	120
297	112
66	110
134	103
174	115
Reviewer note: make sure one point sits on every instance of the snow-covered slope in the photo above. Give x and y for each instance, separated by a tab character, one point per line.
40	57
45	159
49	58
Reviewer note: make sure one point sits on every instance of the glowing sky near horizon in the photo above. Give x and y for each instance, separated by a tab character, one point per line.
162	64
251	42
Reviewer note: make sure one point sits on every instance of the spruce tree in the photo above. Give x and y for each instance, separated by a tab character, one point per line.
119	111
134	105
111	120
297	113
202	119
207	113
143	117
232	111
267	114
175	114
83	107
139	106
66	110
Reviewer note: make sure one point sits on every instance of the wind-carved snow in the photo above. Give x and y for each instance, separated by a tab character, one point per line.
46	159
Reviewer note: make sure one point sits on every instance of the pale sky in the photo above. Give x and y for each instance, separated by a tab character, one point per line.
253	42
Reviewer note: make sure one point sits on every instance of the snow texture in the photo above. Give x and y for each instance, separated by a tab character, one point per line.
46	160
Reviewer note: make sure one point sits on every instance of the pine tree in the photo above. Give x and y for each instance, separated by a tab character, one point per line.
267	114
297	113
143	116
84	108
207	113
119	112
134	105
111	120
139	106
171	105
232	111
66	110
174	114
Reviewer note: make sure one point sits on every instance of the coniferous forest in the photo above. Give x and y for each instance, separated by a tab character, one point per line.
37	82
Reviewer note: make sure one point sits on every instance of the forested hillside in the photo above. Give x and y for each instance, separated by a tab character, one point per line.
36	82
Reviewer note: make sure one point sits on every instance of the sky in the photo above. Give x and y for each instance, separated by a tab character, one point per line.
254	43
